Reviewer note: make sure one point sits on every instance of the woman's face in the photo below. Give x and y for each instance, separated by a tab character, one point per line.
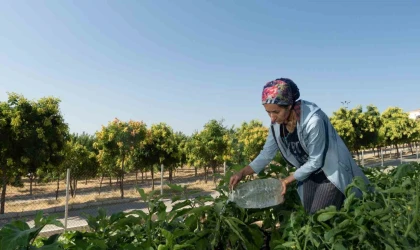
278	114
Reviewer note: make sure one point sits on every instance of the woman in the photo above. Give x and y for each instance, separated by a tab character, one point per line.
307	140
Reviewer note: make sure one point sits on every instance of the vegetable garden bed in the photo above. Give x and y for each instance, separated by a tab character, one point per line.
387	218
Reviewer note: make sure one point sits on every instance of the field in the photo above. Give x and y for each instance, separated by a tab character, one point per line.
87	193
19	200
386	218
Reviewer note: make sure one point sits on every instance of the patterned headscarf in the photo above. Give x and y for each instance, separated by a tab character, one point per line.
281	91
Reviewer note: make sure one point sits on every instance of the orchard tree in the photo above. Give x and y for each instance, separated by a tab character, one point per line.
82	163
162	147
8	151
370	123
417	138
116	142
86	140
42	133
358	129
252	137
34	134
212	145
194	150
342	122
178	156
231	155
397	127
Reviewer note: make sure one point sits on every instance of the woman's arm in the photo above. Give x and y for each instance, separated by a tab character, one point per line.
265	156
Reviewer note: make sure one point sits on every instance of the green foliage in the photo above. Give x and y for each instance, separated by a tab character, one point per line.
164	141
397	127
213	143
116	144
252	137
34	139
358	129
18	234
32	135
209	147
385	218
82	163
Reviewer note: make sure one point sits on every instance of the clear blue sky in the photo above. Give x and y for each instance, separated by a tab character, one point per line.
186	62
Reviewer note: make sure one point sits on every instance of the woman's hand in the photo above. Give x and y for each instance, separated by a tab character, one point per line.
234	179
238	176
285	182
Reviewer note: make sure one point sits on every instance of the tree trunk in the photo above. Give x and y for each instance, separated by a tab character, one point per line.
86	181
72	187
3	189
122	179
214	174
195	169
153	179
170	175
205	174
411	148
31	178
100	184
142	176
58	187
110	181
137	180
398	152
75	186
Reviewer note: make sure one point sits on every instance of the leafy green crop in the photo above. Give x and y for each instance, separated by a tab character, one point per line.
387	217
18	235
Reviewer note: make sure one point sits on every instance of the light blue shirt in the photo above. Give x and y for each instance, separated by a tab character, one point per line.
321	142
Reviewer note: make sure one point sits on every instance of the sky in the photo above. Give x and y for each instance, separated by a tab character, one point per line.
187	62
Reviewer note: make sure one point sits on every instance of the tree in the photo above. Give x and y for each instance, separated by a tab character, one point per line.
252	137
36	134
213	145
232	154
397	127
342	122
162	147
371	123
8	151
194	151
82	163
117	142
358	129
178	156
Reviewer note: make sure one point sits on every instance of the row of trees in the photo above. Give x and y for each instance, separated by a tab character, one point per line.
370	129
35	142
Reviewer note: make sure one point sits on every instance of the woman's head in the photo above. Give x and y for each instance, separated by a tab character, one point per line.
278	98
283	92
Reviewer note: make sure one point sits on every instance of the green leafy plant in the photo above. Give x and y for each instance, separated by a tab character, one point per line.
18	235
385	217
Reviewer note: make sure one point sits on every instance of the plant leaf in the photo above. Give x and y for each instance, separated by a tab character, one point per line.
326	216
